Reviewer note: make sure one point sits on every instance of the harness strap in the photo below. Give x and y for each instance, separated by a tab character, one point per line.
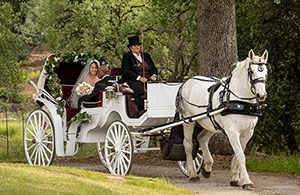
212	119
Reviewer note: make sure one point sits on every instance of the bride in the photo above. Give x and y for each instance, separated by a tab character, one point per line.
88	75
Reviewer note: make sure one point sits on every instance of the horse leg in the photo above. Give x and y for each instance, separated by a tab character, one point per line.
188	147
203	139
234	140
235	171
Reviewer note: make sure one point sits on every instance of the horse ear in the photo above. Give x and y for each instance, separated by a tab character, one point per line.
251	54
265	56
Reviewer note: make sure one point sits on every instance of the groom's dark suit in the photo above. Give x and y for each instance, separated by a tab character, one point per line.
93	97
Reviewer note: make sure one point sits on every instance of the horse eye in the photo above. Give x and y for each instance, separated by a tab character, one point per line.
260	68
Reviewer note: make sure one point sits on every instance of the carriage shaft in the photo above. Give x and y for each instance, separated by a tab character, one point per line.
180	122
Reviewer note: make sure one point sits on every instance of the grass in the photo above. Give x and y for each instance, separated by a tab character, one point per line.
25	179
279	164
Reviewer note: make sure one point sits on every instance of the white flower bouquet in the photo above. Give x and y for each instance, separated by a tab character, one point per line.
84	89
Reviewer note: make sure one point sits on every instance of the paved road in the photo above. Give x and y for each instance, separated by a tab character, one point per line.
217	184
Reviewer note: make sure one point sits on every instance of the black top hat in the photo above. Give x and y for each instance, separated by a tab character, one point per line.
133	41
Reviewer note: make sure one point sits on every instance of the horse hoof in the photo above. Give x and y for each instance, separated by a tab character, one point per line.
234	183
205	173
194	179
248	186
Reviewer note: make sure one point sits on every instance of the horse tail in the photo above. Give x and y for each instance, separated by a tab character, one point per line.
179	99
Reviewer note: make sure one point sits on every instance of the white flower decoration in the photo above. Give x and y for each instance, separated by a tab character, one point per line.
84	89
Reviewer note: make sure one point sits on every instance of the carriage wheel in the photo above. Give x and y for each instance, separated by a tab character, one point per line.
100	150
39	139
118	149
197	163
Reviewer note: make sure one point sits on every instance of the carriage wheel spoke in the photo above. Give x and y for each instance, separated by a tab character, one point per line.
47	142
36	154
45	154
43	145
119	133
33	152
31	147
115	164
125	157
39	123
118	165
111	141
110	147
36	124
34	135
112	133
124	165
113	158
125	151
110	154
42	155
122	137
39	157
124	146
47	135
45	129
28	140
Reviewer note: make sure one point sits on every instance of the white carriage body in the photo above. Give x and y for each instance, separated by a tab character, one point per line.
161	109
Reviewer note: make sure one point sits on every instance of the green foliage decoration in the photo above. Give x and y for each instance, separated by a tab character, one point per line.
83	117
54	61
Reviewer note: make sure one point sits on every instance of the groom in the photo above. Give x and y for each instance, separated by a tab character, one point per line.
103	74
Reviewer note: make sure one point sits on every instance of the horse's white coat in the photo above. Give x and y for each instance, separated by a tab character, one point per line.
238	128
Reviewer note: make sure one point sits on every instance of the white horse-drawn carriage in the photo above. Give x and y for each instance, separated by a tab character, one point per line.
113	124
231	105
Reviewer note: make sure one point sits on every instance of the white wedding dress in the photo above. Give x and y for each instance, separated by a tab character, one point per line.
72	101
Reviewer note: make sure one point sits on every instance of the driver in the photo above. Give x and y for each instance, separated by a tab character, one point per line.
137	69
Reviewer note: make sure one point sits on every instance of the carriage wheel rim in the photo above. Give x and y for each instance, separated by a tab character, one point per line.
118	149
197	164
100	150
39	139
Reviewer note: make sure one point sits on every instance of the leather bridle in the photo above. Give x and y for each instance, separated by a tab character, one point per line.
258	79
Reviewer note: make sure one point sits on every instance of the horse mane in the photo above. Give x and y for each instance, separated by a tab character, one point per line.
240	66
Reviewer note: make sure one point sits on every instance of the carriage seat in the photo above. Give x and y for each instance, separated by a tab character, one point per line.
126	90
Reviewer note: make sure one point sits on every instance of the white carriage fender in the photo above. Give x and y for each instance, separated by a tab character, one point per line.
57	123
72	134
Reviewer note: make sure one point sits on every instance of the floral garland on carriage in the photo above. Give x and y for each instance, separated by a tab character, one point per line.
54	61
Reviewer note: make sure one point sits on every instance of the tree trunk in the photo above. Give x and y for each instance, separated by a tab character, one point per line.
217	49
217	46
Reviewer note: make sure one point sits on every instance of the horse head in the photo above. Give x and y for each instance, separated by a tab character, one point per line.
257	74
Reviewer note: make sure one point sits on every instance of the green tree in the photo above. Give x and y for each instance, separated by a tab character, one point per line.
12	52
275	27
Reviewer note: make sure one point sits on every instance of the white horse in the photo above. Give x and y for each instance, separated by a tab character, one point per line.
247	83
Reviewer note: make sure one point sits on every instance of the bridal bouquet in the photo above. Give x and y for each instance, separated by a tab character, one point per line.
84	89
